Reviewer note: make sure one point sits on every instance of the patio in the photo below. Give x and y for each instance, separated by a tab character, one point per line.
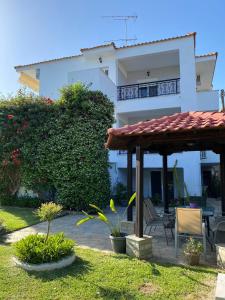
95	235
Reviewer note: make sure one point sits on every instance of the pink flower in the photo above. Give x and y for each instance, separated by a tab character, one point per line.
5	162
10	117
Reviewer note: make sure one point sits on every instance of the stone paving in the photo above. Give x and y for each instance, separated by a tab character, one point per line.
94	234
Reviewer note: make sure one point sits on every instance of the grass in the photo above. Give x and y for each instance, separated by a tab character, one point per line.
16	218
97	275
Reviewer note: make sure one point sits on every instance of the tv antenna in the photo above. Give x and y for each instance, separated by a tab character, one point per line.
124	19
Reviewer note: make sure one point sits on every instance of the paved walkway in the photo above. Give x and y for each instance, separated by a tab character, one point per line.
94	234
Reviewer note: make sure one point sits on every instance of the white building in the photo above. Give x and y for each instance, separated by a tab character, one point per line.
145	81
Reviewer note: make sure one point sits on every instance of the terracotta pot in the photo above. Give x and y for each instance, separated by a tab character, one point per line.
118	244
192	259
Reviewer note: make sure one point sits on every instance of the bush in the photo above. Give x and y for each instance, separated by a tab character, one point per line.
34	250
2	227
20	202
57	146
120	193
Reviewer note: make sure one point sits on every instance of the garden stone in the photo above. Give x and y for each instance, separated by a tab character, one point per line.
220	287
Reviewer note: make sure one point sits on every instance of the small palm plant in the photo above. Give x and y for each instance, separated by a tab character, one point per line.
47	212
114	228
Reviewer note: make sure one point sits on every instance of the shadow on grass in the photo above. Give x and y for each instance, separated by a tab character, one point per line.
112	293
77	269
25	213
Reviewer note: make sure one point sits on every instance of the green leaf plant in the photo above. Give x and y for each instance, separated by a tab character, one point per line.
47	212
114	227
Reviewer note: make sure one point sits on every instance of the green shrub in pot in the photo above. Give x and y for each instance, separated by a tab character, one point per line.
192	251
116	236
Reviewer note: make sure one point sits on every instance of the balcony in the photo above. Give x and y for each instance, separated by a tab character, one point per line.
148	89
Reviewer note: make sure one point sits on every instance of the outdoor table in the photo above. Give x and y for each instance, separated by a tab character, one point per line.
207	212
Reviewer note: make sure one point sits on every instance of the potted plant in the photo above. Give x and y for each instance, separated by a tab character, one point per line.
40	252
118	240
192	251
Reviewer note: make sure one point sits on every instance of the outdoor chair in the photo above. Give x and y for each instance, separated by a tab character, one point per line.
218	230
153	220
189	222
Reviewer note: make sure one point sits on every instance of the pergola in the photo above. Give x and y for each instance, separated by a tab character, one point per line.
189	131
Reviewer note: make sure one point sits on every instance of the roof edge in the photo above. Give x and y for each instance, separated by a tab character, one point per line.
47	61
114	46
215	53
162	40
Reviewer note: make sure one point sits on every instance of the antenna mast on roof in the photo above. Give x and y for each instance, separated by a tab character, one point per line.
125	19
222	100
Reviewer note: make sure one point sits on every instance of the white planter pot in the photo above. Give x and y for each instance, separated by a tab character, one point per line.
45	266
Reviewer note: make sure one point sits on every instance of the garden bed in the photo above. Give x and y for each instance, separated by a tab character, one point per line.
65	262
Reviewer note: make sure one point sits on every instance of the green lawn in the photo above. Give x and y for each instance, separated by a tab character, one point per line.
16	217
96	275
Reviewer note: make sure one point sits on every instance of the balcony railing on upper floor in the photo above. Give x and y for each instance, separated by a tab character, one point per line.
121	152
148	89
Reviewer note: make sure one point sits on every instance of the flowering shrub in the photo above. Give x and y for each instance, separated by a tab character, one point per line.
56	147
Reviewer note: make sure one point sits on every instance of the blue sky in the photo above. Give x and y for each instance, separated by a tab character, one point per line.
37	30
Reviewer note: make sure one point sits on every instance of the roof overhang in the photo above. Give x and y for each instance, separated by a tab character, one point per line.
191	131
107	49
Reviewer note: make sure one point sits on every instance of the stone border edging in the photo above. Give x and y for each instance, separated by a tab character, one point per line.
45	266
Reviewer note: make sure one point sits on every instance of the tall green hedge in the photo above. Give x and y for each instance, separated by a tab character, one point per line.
57	146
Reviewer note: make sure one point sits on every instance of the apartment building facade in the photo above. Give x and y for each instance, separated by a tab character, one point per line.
144	81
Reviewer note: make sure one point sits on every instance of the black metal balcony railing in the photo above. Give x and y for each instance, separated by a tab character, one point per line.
125	152
149	89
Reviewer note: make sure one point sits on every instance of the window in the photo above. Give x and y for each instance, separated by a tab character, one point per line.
143	92
153	91
106	71
37	74
198	80
203	155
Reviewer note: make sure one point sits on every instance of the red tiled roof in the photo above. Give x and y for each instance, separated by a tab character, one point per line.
208	54
179	122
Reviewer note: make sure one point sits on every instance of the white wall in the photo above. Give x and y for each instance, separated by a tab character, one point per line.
97	80
208	100
55	75
155	75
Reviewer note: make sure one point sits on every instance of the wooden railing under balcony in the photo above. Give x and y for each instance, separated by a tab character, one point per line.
148	89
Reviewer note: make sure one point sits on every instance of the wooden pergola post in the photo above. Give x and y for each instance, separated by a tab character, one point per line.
222	179
139	192
129	185
165	184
